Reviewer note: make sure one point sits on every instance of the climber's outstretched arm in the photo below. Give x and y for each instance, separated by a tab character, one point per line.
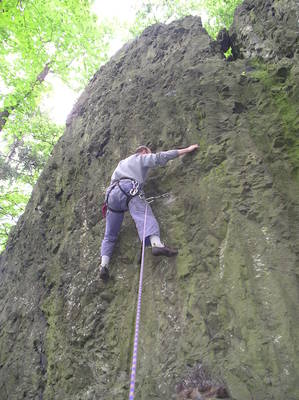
151	160
188	149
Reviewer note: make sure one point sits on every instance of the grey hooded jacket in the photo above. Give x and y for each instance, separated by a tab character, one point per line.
137	166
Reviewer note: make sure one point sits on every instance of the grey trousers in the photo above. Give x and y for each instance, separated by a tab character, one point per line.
118	201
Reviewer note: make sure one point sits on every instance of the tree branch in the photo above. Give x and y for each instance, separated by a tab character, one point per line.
39	80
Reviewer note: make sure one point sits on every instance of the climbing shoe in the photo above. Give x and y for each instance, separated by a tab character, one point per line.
164	251
104	273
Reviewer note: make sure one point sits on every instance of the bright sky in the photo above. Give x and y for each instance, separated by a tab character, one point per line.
122	9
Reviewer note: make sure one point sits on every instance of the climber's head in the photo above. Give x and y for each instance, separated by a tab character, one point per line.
143	150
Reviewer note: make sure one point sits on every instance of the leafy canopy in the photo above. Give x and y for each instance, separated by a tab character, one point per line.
38	37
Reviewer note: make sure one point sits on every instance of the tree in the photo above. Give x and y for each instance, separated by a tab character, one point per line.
38	38
220	14
31	139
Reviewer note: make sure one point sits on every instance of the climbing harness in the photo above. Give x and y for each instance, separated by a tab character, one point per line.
134	191
135	349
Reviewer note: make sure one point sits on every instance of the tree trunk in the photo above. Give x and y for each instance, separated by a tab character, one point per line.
7	111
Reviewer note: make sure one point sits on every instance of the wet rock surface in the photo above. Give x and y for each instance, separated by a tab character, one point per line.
229	301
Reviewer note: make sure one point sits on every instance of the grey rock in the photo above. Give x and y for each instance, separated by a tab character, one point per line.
230	298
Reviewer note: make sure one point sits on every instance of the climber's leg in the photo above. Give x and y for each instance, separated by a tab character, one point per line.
137	211
113	224
152	230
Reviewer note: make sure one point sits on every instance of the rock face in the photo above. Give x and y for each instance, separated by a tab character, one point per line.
230	299
267	29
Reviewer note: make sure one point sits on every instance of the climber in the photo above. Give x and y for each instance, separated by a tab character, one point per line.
125	193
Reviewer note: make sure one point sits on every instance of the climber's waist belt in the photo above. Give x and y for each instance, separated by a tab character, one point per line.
134	191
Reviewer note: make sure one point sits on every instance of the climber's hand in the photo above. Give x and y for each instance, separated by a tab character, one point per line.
192	148
188	149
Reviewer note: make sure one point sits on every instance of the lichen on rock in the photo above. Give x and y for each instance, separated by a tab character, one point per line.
229	301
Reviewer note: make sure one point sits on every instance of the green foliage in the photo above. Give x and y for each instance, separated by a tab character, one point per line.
228	53
12	204
62	33
220	14
39	38
29	141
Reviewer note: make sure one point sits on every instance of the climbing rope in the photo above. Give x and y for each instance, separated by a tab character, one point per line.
135	349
